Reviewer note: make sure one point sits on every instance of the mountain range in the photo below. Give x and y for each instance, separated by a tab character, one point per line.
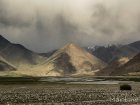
70	60
113	52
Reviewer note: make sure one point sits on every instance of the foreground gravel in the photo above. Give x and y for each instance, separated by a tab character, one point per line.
68	95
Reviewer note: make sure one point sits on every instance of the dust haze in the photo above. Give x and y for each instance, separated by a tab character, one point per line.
44	25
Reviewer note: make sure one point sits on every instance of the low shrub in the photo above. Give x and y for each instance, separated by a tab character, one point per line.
125	87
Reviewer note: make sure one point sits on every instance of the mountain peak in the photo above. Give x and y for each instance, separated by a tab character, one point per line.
70	45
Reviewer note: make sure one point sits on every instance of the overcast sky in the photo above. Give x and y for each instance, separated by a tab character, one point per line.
44	25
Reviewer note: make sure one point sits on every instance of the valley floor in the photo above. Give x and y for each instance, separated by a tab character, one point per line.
68	94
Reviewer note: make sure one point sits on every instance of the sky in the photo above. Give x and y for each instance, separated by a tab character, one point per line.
45	25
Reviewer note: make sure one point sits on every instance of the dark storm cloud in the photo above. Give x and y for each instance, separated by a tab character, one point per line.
9	16
118	24
43	25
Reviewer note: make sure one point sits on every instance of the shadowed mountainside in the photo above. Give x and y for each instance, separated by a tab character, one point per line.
18	55
6	66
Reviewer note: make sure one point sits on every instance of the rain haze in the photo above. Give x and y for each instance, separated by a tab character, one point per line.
44	25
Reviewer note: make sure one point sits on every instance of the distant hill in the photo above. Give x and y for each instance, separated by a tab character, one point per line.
18	55
123	66
112	67
132	67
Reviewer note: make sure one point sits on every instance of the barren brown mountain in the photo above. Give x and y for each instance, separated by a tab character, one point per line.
70	60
